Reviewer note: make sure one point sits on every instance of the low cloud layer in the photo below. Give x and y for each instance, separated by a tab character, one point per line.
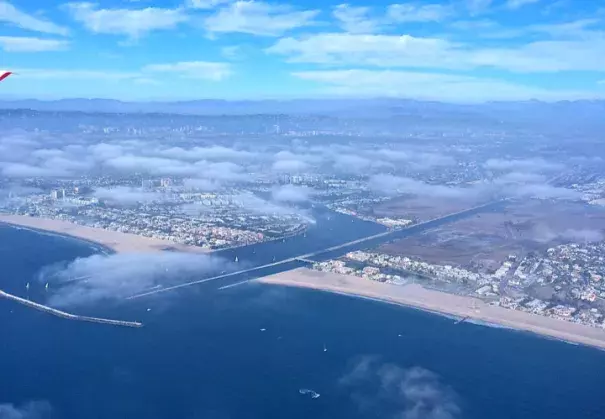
522	165
291	193
397	185
125	196
545	234
31	410
254	203
117	276
204	185
412	393
544	191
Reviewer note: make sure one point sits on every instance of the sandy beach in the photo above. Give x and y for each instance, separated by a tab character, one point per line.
414	295
118	242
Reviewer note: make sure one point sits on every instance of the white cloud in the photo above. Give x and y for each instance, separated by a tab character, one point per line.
30	44
194	70
259	18
123	195
402	13
291	193
361	20
232	52
414	393
355	19
525	165
215	71
476	7
429	86
206	4
515	4
131	22
30	410
10	14
586	54
395	185
121	275
42	73
289	166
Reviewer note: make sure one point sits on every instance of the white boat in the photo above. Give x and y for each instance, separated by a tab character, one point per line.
236	259
314	395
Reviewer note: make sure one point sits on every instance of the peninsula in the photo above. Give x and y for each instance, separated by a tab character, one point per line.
414	295
117	241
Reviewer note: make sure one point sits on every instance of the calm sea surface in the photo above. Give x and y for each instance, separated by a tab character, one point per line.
203	354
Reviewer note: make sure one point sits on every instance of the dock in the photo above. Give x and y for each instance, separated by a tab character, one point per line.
66	315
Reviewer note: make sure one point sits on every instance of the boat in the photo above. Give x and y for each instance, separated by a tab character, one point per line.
325	348
236	259
46	286
27	286
314	395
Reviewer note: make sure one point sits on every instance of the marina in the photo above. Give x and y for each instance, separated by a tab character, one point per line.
243	276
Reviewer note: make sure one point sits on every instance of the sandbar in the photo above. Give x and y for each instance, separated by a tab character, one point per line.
114	240
414	295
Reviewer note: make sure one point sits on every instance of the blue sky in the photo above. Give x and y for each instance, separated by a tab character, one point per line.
459	50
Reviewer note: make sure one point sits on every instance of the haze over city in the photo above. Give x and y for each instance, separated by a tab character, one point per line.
234	208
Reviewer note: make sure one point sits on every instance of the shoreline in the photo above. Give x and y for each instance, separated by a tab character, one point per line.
109	240
438	302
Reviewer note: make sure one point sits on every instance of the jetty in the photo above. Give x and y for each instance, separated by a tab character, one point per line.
66	315
465	318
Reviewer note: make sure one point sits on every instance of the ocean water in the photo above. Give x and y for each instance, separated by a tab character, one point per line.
247	351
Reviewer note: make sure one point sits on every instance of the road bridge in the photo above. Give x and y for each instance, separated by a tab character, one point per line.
308	257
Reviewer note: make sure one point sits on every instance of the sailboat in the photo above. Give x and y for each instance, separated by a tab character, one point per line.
325	348
46	286
27	286
236	259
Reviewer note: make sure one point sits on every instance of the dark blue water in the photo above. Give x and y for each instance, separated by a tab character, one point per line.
202	354
330	229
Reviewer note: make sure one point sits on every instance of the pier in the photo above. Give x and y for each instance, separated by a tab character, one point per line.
66	315
465	318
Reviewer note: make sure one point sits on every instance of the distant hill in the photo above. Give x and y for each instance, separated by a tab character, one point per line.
215	106
584	114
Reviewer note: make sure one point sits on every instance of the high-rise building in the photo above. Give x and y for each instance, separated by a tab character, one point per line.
54	194
165	182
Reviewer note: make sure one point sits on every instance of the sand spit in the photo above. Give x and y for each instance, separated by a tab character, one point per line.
118	242
414	295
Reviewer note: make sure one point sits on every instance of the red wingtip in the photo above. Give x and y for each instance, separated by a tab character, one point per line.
5	74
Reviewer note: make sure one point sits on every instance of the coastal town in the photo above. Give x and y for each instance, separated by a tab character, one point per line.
565	282
211	220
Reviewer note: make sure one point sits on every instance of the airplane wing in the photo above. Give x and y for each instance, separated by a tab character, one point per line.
4	74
